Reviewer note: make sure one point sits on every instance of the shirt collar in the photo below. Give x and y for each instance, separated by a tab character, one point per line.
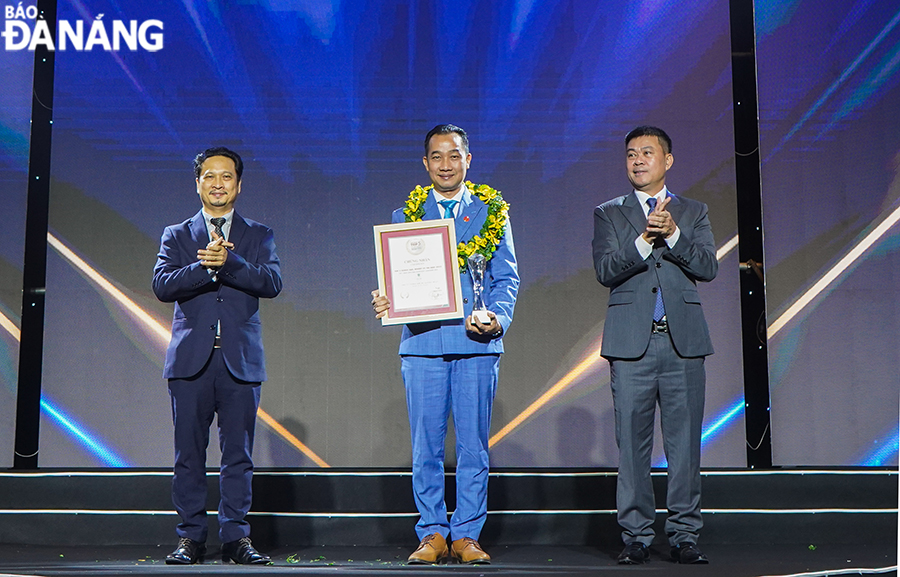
227	217
643	196
457	197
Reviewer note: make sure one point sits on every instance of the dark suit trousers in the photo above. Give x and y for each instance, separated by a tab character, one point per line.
213	391
678	385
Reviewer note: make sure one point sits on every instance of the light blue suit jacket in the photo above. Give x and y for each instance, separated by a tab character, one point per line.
632	280
501	285
251	271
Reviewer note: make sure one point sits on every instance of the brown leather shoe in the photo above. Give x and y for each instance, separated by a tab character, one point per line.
432	550
467	550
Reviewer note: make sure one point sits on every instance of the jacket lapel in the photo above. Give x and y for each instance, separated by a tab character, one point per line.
238	228
675	207
198	230
634	212
432	209
469	214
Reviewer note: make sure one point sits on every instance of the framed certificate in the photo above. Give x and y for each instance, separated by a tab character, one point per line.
418	271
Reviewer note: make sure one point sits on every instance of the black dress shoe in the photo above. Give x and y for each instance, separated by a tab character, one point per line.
187	552
688	553
243	553
634	554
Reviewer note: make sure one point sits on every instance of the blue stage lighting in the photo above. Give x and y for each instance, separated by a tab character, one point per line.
883	454
82	437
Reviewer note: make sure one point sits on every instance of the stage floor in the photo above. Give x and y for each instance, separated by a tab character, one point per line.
556	561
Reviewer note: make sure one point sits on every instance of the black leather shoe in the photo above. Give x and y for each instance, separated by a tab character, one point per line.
243	553
187	552
688	553
634	554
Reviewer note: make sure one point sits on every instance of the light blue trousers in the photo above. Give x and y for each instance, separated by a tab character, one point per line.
434	386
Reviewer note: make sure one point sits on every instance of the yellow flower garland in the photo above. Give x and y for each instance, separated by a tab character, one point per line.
491	233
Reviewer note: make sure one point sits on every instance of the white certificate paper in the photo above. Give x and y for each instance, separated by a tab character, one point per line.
418	268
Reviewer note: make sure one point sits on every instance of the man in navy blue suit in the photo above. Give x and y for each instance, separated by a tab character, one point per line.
215	267
456	363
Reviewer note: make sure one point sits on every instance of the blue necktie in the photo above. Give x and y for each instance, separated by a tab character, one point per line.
448	207
659	311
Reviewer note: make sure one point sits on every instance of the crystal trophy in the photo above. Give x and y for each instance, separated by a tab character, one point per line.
477	266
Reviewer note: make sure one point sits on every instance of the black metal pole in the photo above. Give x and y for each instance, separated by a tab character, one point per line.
31	344
750	234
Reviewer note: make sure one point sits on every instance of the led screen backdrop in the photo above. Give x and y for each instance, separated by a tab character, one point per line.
328	103
831	184
15	131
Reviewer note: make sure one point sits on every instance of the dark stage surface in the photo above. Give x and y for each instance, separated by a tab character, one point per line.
726	561
775	523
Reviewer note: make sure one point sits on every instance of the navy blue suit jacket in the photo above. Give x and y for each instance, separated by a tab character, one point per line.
501	286
251	271
632	280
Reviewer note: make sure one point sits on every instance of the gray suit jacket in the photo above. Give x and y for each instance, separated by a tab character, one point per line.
631	279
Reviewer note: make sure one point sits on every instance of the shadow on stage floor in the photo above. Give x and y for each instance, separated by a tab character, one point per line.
726	561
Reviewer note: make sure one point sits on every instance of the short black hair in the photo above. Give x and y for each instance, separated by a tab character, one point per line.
219	151
447	129
659	133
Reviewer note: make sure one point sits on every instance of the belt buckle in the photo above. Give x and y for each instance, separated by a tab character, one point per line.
660	327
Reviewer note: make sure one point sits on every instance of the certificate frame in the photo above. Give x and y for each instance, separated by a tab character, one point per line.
438	242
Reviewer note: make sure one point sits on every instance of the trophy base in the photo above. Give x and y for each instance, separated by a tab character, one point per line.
481	317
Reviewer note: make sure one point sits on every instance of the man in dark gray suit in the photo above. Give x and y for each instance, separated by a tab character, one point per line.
650	249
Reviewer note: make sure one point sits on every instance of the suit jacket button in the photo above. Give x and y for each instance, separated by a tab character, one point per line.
658	265
654	290
220	299
213	327
466	301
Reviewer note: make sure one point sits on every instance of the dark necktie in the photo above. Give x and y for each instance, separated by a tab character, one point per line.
448	207
218	223
659	311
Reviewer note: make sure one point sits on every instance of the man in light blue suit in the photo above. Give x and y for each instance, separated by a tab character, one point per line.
215	267
454	364
650	249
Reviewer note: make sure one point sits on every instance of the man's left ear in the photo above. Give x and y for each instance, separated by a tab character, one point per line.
670	160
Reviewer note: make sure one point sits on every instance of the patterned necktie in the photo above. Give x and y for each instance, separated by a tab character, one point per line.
218	223
659	311
448	207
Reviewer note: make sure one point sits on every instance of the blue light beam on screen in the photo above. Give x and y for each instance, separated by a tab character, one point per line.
145	96
879	456
82	437
712	431
837	83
